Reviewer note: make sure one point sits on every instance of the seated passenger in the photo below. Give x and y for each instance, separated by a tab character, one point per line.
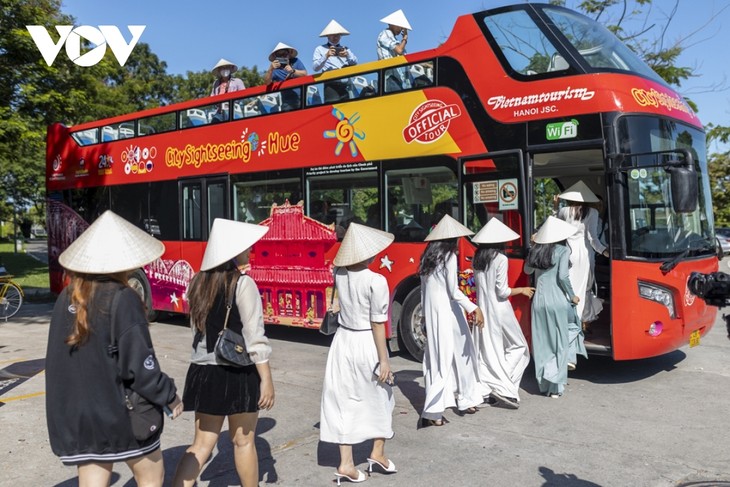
331	55
285	65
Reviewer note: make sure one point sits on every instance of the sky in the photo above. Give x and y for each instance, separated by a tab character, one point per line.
194	35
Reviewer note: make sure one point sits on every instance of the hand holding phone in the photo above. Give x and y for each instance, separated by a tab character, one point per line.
389	379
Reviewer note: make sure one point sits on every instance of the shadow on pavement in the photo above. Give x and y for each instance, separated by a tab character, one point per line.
554	479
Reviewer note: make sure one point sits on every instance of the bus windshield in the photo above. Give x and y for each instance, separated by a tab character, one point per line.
654	230
597	45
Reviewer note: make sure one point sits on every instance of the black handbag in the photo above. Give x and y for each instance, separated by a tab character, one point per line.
230	346
330	321
145	417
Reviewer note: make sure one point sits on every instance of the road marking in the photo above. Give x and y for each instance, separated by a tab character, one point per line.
24	396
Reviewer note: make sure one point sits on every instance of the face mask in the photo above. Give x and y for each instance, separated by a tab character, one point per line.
225	73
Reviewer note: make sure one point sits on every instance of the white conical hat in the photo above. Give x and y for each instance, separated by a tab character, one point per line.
221	63
110	245
227	239
579	192
554	230
495	232
397	18
281	45
448	228
360	243
334	28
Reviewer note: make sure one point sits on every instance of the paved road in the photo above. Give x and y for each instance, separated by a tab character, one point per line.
656	422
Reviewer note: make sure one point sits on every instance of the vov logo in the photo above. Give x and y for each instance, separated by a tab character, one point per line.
70	36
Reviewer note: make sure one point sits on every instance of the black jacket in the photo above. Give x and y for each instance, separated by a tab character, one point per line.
85	411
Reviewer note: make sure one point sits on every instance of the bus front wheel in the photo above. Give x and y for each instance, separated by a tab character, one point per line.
138	281
409	327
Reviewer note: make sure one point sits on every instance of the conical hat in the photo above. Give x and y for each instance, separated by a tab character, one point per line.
579	192
361	243
279	46
229	238
554	230
495	232
448	228
334	28
221	63
397	18
110	245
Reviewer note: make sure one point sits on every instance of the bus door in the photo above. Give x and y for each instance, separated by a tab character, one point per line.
551	173
202	200
493	186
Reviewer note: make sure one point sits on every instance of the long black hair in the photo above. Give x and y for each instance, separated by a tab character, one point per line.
541	256
485	255
436	254
578	210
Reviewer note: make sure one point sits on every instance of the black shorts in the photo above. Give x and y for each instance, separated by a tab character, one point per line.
220	390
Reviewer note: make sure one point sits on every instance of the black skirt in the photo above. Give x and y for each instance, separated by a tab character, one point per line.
221	390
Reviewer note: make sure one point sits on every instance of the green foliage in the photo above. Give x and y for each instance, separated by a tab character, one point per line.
26	271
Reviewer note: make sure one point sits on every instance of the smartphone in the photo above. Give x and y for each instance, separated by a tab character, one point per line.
390	380
167	411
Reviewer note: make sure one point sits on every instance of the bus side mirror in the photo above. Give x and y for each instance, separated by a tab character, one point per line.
684	187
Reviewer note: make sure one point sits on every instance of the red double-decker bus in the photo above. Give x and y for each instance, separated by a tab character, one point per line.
519	103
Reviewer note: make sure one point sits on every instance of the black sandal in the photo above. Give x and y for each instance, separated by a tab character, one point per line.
425	423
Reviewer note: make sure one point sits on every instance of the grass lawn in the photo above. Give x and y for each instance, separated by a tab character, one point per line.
26	271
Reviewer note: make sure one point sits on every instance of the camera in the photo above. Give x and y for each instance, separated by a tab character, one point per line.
283	61
714	289
340	50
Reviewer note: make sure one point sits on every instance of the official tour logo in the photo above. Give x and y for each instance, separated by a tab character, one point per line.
430	121
70	36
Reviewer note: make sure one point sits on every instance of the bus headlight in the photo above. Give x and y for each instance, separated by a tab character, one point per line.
659	294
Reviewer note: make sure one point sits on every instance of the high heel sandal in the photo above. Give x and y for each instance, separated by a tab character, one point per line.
389	469
360	477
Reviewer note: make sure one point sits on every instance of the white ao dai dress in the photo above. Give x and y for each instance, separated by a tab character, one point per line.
582	245
502	353
355	406
449	365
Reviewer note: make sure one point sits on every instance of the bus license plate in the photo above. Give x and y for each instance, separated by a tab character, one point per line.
694	338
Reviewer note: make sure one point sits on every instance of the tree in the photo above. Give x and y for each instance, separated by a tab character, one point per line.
719	168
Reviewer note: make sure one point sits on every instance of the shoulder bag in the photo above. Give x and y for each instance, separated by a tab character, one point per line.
330	321
146	418
230	348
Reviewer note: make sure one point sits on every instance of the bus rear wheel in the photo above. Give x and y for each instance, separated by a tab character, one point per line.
138	281
410	326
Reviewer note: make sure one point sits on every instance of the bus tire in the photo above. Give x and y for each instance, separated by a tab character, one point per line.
138	281
409	327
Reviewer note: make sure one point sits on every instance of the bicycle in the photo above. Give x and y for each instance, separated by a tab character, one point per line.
11	295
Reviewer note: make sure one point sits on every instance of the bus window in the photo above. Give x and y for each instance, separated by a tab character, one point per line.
116	131
597	45
491	189
417	199
216	200
342	89
421	74
341	199
253	200
86	137
165	122
89	203
164	210
192	211
204	115
254	106
522	45
130	202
